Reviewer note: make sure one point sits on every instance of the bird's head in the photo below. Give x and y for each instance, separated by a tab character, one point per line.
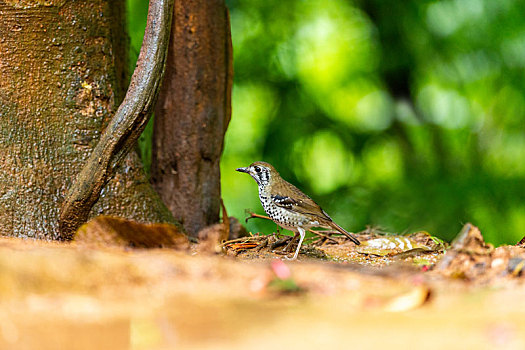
262	172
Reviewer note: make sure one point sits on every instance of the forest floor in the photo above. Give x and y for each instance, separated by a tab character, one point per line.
392	292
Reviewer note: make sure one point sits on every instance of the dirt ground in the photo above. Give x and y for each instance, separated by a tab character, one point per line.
76	296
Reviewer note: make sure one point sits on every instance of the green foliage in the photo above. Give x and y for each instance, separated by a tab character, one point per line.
137	11
404	114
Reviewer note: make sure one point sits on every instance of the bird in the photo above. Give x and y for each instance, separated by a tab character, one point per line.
287	206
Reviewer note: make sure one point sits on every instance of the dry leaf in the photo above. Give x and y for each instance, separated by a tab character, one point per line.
112	231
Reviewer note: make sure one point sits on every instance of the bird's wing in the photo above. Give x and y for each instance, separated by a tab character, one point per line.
298	202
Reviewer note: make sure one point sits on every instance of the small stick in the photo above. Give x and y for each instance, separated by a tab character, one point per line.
253	215
316	241
318	233
280	242
225	219
261	245
241	239
289	245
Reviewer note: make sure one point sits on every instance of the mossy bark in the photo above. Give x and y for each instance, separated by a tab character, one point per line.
193	112
63	74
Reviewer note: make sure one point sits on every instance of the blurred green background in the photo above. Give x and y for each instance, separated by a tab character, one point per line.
406	115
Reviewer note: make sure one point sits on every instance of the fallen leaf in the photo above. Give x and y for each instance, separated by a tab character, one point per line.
113	231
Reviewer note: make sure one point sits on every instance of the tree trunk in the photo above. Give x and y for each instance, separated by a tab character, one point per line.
193	113
63	68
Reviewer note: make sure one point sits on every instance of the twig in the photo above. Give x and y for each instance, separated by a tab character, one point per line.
318	233
225	218
253	215
241	239
280	242
262	245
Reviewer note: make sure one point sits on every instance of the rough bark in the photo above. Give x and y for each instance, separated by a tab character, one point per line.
62	65
193	113
124	129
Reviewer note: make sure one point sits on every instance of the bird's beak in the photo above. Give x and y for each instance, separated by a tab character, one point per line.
243	170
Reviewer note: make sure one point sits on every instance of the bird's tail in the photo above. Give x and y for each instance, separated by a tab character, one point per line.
344	232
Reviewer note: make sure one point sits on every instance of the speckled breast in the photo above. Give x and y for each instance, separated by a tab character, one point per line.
284	218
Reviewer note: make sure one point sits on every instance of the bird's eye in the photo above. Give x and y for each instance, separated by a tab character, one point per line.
257	169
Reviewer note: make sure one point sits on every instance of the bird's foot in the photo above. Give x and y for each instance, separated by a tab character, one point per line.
289	259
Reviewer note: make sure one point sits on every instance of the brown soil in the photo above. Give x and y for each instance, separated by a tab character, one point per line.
76	296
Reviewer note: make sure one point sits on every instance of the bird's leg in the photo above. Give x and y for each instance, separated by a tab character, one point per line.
302	233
